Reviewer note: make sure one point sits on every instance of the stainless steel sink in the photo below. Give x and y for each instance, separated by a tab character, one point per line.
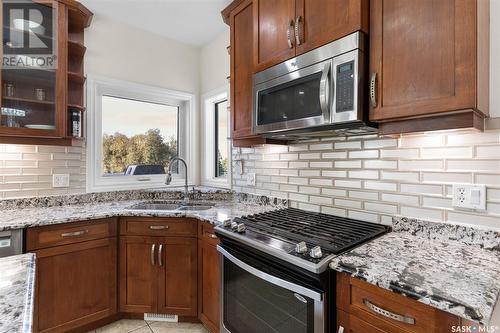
168	206
153	205
194	207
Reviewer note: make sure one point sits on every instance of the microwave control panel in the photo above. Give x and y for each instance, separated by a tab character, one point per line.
344	92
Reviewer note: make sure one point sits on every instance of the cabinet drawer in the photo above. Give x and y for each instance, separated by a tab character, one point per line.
139	226
206	233
389	311
68	233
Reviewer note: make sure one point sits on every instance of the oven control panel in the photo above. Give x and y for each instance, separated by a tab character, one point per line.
344	91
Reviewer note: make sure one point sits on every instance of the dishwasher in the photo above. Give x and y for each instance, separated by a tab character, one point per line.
11	242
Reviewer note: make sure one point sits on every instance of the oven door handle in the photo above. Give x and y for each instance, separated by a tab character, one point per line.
271	279
324	91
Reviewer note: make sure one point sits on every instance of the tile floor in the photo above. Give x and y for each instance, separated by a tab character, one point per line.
141	326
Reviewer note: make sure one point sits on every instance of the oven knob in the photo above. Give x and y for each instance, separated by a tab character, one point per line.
234	226
301	247
316	252
241	228
227	223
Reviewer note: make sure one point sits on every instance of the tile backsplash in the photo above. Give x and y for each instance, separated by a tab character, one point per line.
374	178
26	170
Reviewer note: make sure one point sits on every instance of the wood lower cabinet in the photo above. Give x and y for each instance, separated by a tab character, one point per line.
158	274
137	274
429	59
208	277
177	283
363	307
75	284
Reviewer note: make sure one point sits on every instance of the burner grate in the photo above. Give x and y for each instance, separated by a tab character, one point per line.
332	233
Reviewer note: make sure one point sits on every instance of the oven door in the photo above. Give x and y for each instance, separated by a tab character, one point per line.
299	99
254	301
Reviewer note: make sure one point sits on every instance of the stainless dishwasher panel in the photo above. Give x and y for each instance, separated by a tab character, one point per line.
11	242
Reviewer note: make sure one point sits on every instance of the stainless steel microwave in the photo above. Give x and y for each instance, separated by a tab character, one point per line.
318	91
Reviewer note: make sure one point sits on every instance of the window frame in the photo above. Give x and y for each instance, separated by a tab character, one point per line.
101	86
208	140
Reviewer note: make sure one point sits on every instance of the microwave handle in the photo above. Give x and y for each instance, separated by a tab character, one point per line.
324	92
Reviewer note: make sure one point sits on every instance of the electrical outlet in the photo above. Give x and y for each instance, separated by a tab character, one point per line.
60	180
251	179
469	196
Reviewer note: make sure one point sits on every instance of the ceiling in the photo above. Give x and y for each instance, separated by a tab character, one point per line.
194	22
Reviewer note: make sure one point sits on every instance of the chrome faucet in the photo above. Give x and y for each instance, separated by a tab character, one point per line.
169	175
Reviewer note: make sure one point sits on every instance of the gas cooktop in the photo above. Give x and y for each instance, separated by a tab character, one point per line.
307	239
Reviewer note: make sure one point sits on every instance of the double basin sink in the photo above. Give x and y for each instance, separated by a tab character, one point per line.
169	206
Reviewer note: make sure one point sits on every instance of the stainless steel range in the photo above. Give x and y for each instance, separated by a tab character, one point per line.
275	275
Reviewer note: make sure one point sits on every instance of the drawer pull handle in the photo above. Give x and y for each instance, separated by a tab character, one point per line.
74	233
153	254
388	314
373	90
289	31
158	227
213	236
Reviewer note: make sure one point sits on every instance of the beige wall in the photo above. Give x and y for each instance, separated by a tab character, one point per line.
214	64
119	51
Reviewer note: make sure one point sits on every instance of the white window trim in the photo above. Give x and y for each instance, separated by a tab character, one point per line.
98	86
208	140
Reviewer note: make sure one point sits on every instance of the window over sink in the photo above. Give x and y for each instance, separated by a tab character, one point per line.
134	131
216	145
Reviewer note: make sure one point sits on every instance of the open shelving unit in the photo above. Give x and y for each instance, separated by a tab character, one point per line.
38	108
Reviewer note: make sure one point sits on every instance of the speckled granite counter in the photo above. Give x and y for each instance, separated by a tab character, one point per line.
453	268
33	213
17	280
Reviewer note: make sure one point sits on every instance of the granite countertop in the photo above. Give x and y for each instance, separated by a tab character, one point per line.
453	268
17	281
223	208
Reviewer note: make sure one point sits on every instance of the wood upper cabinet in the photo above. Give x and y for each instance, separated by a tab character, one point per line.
177	289
37	102
75	285
428	57
319	22
287	28
208	278
241	23
274	24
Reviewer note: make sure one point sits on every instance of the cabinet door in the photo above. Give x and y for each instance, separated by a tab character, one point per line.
75	285
275	39
208	284
138	274
177	288
320	22
423	55
241	20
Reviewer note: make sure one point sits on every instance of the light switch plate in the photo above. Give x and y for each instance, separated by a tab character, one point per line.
60	180
251	179
469	196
